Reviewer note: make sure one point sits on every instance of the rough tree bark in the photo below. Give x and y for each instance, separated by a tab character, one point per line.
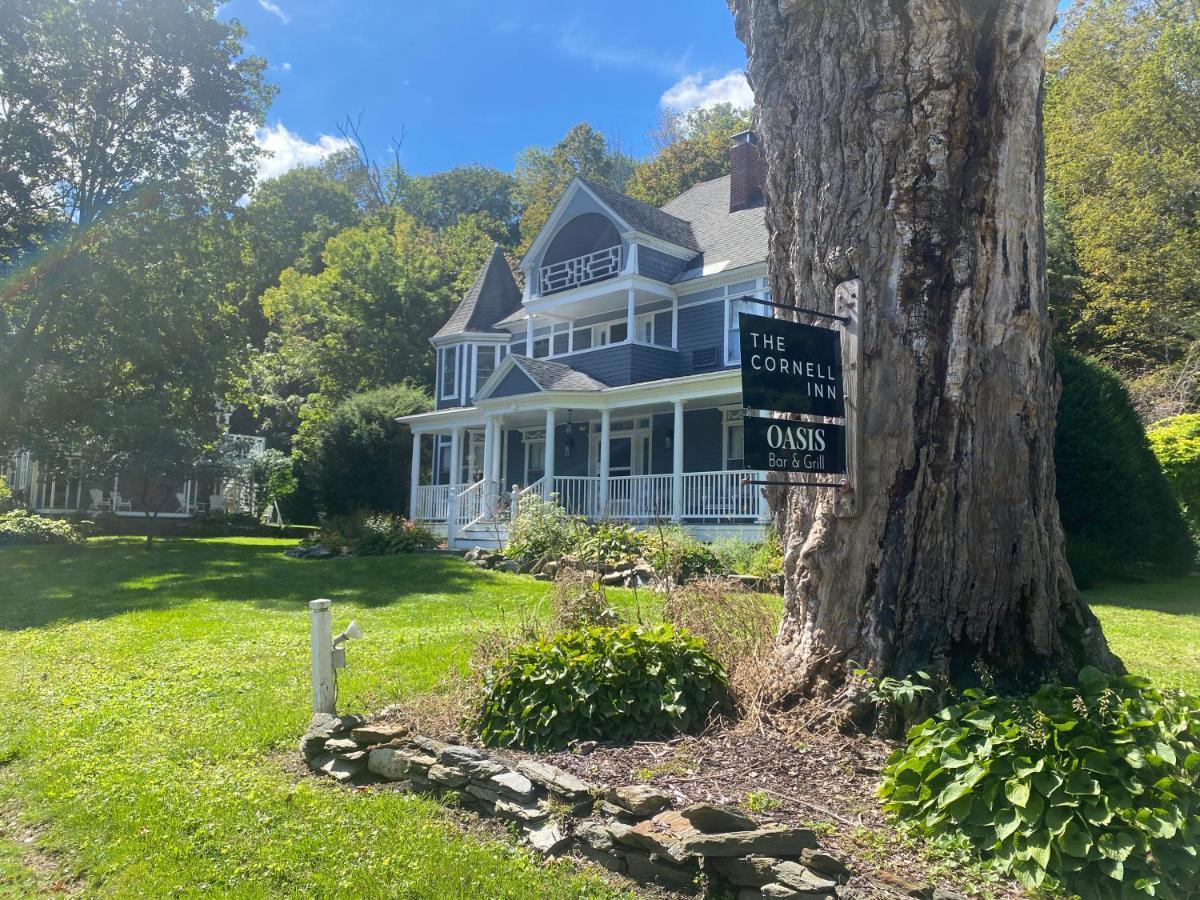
903	146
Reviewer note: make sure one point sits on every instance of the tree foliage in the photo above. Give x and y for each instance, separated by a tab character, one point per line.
694	149
358	456
542	175
1176	444
1116	506
1122	124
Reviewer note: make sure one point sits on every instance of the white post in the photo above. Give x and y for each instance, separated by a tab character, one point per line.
674	323
489	452
529	334
630	316
677	468
548	484
605	423
415	475
515	502
455	471
321	638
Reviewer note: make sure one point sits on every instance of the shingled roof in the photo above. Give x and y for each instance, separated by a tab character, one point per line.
493	296
554	376
726	239
646	218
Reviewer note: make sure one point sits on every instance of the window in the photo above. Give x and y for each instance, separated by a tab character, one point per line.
582	339
485	365
535	460
733	349
449	372
645	328
611	333
735	446
541	348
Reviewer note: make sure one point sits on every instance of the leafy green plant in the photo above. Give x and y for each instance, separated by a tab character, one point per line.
624	683
760	801
20	526
762	558
609	543
542	530
6	495
375	534
677	556
1176	444
1092	788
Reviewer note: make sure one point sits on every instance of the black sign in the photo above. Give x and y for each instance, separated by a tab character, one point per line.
789	367
784	445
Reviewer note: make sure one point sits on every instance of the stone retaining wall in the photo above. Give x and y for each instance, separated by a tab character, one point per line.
629	829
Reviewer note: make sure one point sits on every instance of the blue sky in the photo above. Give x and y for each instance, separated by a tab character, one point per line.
470	81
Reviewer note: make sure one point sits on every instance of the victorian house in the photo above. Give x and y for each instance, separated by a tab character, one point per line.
610	384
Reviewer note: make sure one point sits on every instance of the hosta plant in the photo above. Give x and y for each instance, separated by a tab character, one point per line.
624	683
1090	788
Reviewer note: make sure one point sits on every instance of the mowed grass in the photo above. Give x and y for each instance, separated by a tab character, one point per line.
150	700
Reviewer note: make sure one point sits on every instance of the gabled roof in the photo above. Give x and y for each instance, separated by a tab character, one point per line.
545	375
726	239
492	297
646	218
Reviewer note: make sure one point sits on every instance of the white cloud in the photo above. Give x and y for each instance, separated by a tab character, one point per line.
275	10
578	42
288	150
287	66
692	90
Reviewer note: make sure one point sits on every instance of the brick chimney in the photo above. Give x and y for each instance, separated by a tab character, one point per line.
747	172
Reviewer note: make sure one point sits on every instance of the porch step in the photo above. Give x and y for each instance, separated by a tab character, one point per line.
489	537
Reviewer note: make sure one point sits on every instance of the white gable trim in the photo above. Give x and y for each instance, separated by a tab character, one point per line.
507	365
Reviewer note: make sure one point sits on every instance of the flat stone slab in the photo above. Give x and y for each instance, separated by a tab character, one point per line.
801	877
520	811
766	841
398	764
743	871
514	784
655	869
825	864
714	818
340	769
555	779
547	838
639	799
455	756
447	775
340	745
379	733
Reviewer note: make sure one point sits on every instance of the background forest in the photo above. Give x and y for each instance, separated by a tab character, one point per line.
147	276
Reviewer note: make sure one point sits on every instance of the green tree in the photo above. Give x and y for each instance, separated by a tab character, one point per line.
135	111
358	457
441	200
694	148
1122	124
542	175
1176	444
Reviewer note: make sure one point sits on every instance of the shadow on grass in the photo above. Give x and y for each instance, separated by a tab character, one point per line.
102	578
1180	597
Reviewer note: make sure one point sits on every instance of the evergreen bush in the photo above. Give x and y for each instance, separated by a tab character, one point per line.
20	526
624	683
1117	508
1092	788
359	457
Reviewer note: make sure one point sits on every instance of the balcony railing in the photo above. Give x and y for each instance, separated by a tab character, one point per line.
580	270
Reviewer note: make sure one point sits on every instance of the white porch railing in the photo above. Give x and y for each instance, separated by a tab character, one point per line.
640	497
721	495
578	495
579	270
433	503
713	496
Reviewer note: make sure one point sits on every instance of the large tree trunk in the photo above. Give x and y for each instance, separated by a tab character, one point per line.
903	146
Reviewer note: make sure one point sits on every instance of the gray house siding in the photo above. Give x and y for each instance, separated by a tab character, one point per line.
514	470
662	329
571	439
623	364
515	382
658	265
702	328
560	343
702	445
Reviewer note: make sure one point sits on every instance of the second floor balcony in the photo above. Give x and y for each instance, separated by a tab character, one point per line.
580	270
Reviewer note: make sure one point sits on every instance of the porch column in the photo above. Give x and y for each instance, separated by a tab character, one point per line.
456	436
674	323
529	335
677	468
497	472
415	475
604	442
548	483
630	316
489	453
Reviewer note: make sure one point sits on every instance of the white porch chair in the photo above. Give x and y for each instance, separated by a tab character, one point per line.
120	504
184	506
97	504
216	503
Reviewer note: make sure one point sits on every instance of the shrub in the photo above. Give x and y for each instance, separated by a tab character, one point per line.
6	495
20	526
625	683
542	530
1091	787
745	558
608	543
578	601
358	457
1117	508
1176	444
677	556
375	534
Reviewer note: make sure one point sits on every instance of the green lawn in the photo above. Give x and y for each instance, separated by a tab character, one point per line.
150	701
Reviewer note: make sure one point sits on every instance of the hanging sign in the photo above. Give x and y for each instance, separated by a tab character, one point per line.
785	445
790	367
